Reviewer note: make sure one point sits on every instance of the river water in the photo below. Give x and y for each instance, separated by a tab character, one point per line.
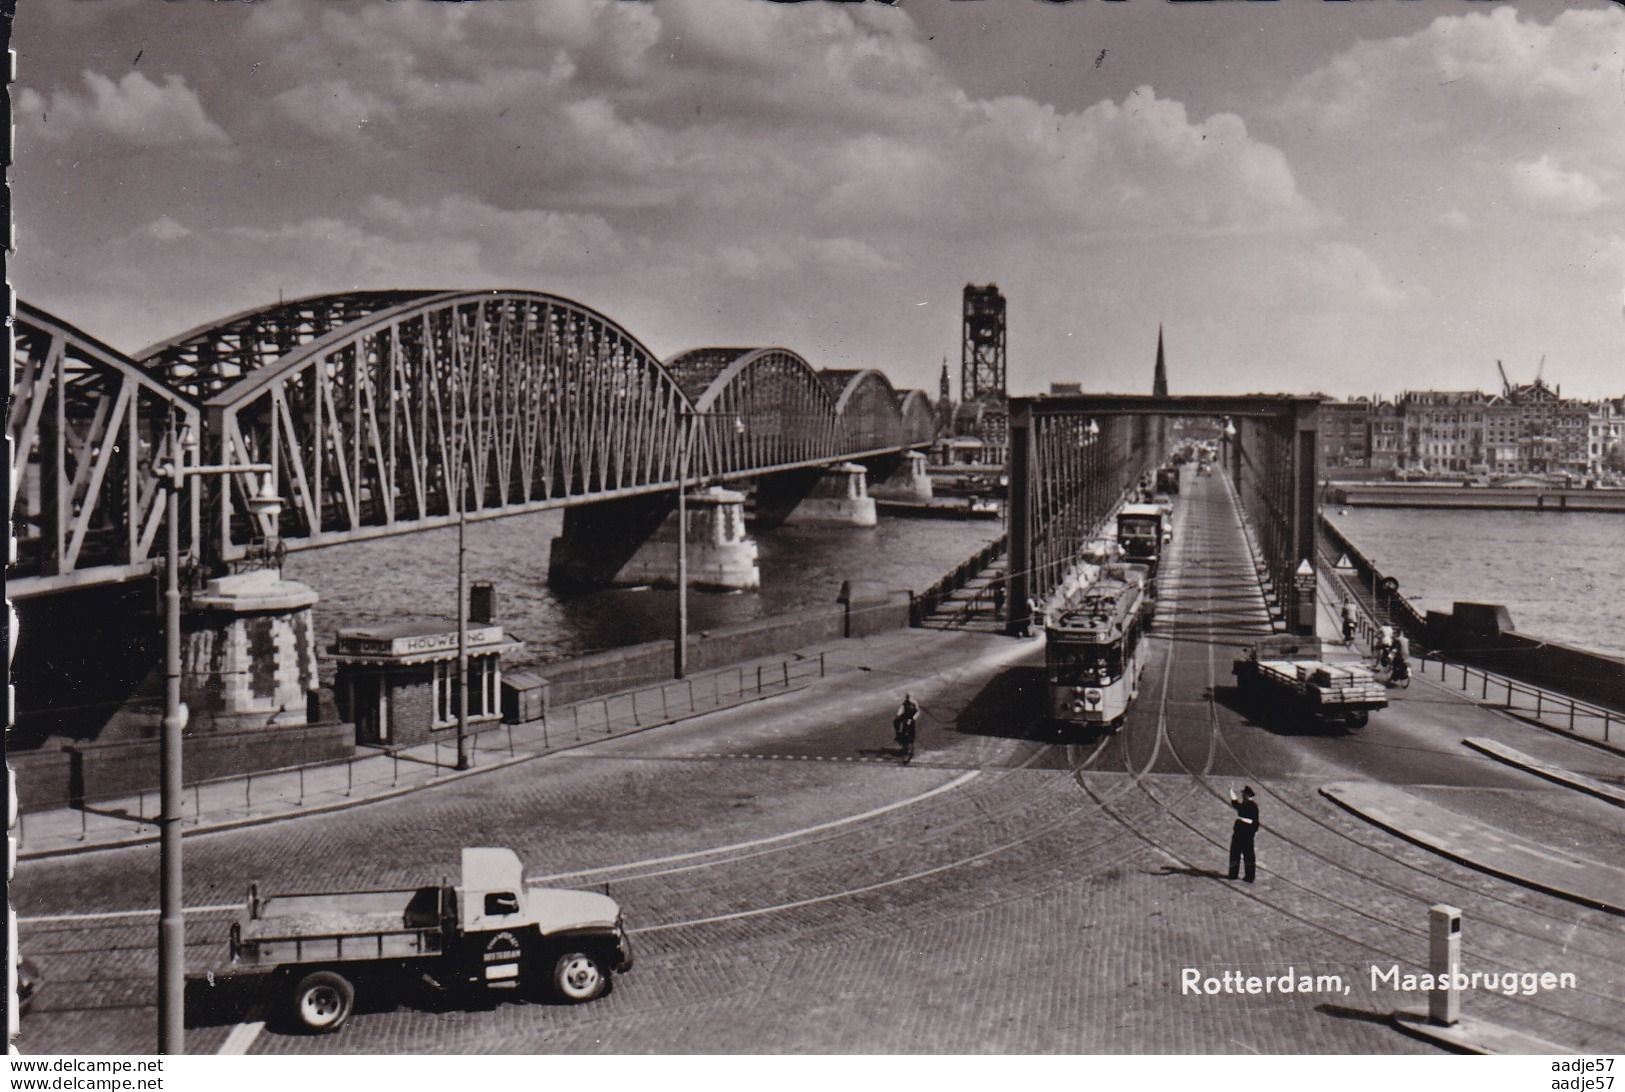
1560	574
414	577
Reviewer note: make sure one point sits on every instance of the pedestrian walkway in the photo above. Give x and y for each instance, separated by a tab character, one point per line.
378	774
1533	704
1470	1036
1540	768
1479	845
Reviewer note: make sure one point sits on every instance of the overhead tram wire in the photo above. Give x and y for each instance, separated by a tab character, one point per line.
1202	779
1176	813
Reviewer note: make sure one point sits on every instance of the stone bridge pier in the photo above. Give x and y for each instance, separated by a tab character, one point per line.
633	542
829	496
90	661
904	478
248	653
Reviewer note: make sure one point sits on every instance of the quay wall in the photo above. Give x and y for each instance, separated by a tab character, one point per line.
60	776
1482	635
1436	495
866	611
83	773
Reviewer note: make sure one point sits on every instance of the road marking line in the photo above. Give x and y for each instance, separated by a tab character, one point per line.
870	814
96	916
241	1038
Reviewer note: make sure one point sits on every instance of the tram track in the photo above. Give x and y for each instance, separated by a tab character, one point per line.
1216	738
1076	771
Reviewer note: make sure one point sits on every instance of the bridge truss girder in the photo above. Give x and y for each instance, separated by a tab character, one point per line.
485	402
387	412
86	427
1064	479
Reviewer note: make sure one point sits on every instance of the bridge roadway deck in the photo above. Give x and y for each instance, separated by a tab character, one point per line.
793	887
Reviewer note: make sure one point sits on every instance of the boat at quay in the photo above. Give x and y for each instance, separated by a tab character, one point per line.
1472	495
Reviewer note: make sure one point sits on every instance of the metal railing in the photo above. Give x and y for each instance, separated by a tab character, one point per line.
1544	704
382	767
1372	582
923	604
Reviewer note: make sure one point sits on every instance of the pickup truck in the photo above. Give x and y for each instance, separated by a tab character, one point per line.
1285	674
491	932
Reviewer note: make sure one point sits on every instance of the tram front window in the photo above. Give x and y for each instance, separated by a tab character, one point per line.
1084	665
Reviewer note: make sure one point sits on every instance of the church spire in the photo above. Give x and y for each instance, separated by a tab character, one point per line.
1159	384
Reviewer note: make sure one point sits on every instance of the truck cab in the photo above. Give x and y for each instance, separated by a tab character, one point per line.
491	931
498	912
1140	531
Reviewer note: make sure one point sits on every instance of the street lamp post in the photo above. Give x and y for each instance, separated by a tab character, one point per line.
684	442
171	914
462	635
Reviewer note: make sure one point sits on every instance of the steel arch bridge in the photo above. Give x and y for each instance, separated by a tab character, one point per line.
384	412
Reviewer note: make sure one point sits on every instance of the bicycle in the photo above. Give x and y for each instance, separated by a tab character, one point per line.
1399	674
903	730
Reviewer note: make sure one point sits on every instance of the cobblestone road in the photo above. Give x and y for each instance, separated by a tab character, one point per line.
1008	892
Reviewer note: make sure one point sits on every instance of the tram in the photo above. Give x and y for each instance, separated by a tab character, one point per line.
1093	646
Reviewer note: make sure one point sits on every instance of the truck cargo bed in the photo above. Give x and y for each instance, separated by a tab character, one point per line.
351	925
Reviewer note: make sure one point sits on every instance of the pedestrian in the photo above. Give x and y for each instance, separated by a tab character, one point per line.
1242	834
998	596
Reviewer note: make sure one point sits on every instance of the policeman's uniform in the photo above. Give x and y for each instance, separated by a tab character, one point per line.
1242	834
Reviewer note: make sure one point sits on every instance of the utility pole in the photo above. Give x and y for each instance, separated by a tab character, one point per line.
171	912
684	442
461	689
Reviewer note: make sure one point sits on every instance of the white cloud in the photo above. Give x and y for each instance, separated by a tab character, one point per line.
511	241
1546	186
165	229
1486	89
818	122
134	110
1455	220
1341	272
333	108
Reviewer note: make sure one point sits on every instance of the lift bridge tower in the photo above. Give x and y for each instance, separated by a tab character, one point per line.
981	372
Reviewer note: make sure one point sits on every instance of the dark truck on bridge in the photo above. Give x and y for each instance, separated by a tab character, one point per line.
1285	675
491	932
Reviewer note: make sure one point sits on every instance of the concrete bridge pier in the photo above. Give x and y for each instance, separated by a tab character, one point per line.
904	479
632	542
248	652
840	496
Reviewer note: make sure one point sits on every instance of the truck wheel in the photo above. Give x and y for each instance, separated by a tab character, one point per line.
1358	720
322	1001
579	976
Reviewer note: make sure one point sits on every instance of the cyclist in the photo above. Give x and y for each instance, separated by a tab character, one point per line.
1399	673
902	724
1384	645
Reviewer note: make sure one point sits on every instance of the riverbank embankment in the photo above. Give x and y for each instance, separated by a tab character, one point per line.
1482	635
1471	496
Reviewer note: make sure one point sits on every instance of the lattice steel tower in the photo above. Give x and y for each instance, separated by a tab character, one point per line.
982	363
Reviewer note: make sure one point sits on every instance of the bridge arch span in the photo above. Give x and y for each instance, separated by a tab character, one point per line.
919	417
868	407
760	407
206	359
86	426
529	400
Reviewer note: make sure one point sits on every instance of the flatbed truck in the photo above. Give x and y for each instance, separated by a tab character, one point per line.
1285	674
491	932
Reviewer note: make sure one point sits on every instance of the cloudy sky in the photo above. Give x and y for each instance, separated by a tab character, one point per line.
1345	197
